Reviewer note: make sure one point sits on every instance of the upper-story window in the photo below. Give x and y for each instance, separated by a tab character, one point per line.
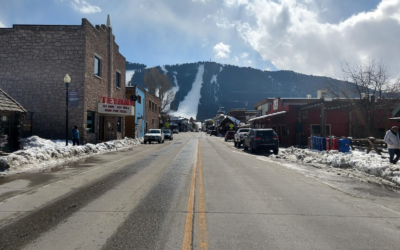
149	104
139	99
118	79
97	66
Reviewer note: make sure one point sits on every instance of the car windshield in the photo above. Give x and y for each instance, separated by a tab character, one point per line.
154	131
231	133
244	130
167	131
265	133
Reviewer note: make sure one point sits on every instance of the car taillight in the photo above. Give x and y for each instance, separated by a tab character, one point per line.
276	138
257	138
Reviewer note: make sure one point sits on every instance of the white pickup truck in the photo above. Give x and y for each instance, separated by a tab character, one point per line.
239	136
154	135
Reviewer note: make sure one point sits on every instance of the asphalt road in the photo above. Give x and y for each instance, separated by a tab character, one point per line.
195	192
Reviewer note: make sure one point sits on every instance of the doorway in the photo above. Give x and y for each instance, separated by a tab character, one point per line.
101	128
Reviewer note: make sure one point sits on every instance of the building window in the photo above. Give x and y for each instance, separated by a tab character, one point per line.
118	79
139	99
155	107
97	66
149	104
152	121
119	124
90	122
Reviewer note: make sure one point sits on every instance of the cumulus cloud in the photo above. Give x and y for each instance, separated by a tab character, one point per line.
244	55
85	7
2	25
231	3
203	1
222	50
291	36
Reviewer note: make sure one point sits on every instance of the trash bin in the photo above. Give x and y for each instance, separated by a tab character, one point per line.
344	145
328	144
334	144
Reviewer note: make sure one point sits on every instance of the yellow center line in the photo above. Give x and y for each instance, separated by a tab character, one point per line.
203	233
187	237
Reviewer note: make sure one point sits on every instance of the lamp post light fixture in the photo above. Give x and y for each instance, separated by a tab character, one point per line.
67	80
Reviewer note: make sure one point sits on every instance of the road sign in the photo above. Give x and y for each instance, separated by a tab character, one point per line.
231	126
167	125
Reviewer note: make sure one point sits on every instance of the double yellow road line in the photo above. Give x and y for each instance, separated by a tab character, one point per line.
201	208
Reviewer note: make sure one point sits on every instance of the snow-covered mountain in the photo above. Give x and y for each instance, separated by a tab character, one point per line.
201	88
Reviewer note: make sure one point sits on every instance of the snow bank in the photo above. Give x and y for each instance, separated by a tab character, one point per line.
40	154
371	163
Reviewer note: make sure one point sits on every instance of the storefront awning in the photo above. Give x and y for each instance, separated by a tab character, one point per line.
266	116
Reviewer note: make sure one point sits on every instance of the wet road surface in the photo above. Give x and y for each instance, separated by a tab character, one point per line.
195	192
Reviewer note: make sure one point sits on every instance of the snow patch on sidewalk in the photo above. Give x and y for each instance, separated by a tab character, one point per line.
40	154
372	163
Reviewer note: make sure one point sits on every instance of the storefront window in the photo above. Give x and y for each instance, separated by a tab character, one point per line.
90	122
119	124
5	124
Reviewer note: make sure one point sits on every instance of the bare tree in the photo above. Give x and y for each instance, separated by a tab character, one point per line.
369	93
159	85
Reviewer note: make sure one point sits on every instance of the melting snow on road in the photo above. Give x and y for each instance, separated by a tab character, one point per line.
189	106
41	154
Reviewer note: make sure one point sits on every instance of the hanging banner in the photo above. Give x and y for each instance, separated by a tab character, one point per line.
73	98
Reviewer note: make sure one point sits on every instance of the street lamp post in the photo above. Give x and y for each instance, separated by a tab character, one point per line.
67	80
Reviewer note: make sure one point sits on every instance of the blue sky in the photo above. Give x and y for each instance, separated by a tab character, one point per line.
307	36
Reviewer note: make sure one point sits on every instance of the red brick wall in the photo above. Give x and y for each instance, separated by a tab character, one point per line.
152	118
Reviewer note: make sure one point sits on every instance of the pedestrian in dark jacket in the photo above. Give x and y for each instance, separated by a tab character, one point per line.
75	135
393	142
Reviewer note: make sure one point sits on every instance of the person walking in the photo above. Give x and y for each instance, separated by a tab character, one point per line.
75	136
393	143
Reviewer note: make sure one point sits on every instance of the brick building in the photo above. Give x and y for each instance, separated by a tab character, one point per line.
152	112
33	62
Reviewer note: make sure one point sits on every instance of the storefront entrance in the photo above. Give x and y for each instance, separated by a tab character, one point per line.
101	128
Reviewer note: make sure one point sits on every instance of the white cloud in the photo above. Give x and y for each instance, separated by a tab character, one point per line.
203	1
85	7
222	50
2	25
244	55
231	3
292	37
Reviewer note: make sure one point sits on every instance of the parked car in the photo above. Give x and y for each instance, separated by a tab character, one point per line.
239	136
230	135
213	132
154	135
175	131
168	134
265	139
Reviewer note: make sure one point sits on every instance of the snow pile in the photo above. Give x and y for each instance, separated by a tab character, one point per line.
40	154
371	163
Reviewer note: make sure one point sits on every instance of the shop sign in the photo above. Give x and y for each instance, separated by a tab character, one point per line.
276	104
116	107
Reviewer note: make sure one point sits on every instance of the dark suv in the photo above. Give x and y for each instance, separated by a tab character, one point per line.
230	135
265	139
